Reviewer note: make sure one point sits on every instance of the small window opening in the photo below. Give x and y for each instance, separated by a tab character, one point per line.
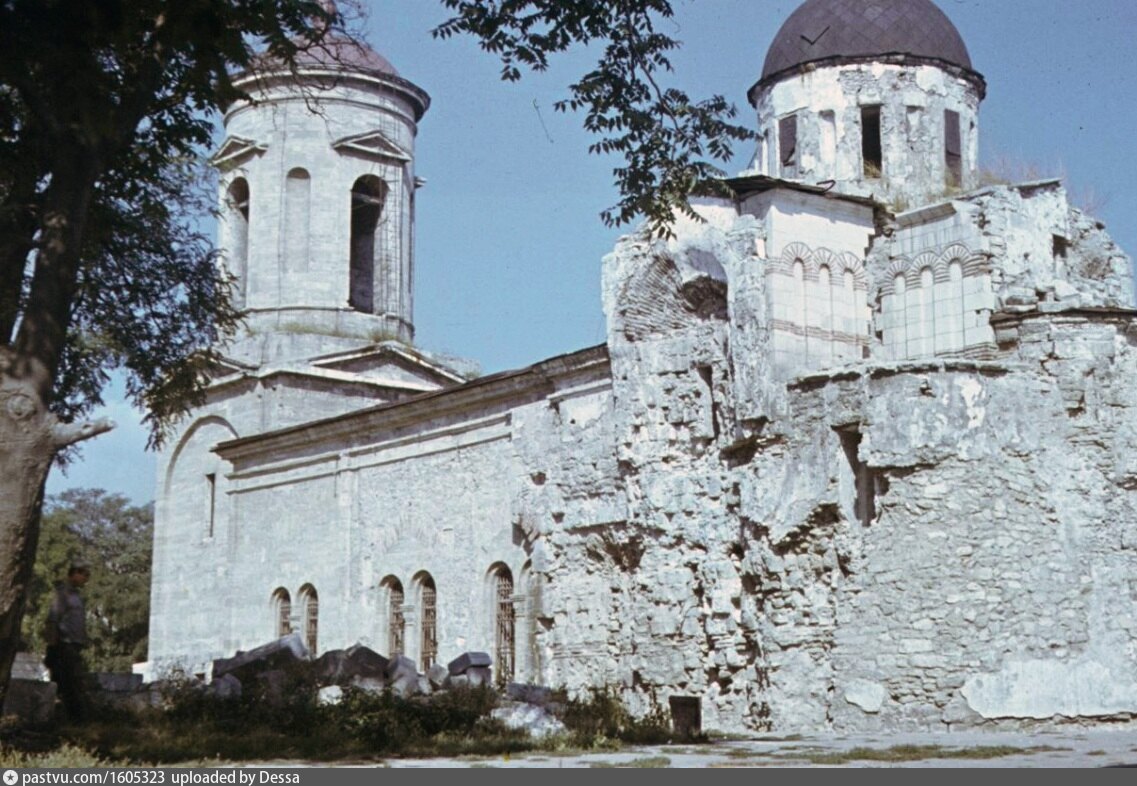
1061	247
367	197
238	240
283	608
953	148
429	604
211	483
707	375
871	147
504	624
865	501
311	618
396	622
787	145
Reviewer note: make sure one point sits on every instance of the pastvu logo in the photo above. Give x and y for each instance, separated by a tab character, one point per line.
10	777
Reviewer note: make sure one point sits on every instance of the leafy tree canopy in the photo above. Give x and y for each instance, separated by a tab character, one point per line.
114	538
669	141
104	104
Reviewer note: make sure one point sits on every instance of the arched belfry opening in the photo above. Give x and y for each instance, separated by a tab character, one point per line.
368	195
237	217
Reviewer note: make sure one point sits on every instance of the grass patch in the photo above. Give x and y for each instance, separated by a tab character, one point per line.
903	753
743	753
1097	753
280	718
647	762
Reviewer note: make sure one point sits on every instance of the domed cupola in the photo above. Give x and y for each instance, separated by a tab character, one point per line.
877	96
317	196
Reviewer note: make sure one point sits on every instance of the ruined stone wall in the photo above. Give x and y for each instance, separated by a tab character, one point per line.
923	545
827	103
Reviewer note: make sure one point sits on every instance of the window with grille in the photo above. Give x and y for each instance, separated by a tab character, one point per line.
311	618
396	623
429	620
282	605
504	625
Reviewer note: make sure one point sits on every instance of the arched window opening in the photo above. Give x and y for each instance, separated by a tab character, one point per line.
367	197
282	612
237	218
428	621
310	605
297	214
900	309
953	316
396	622
504	624
872	149
927	312
953	149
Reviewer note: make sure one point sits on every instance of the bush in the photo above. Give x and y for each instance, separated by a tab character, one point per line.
603	719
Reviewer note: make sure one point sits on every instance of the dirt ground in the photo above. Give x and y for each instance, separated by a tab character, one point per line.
1075	748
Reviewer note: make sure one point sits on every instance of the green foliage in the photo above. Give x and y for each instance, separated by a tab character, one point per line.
105	116
64	756
668	140
602	719
114	538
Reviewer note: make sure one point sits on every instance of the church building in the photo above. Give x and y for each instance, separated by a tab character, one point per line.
859	451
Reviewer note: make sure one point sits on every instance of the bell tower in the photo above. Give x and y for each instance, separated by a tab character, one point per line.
317	195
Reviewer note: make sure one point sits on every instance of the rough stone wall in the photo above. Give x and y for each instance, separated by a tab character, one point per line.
923	545
827	102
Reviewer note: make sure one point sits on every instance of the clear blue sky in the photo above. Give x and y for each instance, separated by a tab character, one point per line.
509	242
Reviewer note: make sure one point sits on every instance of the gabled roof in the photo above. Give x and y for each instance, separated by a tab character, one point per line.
371	144
235	149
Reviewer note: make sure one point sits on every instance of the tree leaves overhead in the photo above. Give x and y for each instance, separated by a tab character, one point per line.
106	113
668	140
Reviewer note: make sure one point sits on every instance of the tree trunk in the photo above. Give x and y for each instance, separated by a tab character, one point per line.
28	449
30	434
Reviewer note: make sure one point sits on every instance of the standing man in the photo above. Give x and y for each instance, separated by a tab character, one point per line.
66	636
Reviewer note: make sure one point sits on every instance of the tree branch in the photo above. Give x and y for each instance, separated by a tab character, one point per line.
66	434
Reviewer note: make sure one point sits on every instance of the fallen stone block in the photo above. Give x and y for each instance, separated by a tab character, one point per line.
372	685
457	681
469	659
32	701
479	675
268	657
329	668
226	686
365	662
533	719
437	675
399	666
530	694
329	695
272	686
29	666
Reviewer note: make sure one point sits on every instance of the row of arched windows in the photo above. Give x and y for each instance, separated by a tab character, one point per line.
309	614
368	196
425	604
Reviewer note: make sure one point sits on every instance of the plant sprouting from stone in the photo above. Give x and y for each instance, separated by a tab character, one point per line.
668	140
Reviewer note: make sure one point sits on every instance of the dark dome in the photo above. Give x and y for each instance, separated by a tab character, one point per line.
824	29
339	52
